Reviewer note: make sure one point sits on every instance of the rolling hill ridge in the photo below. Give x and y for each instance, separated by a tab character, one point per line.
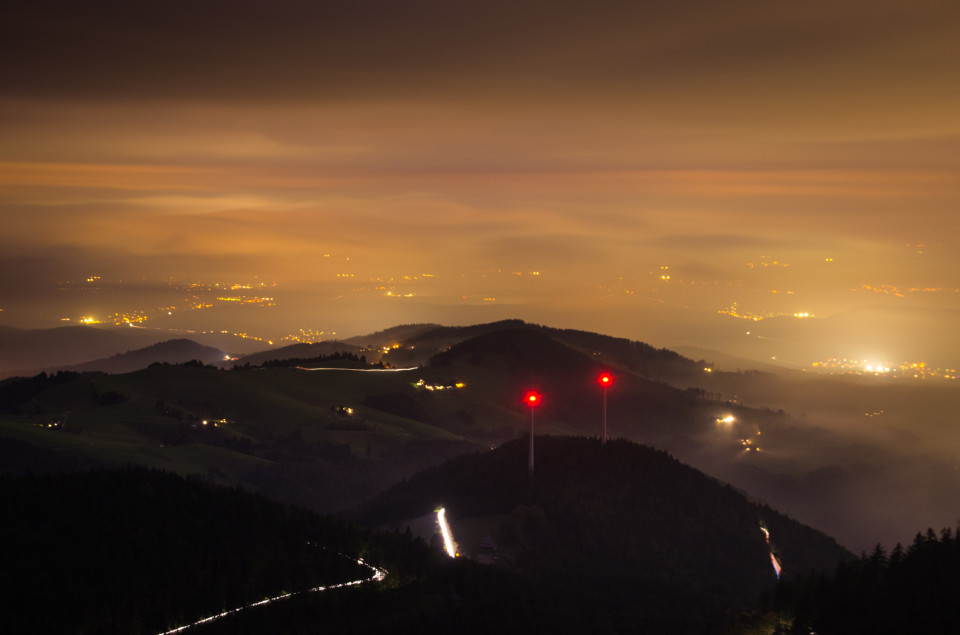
604	519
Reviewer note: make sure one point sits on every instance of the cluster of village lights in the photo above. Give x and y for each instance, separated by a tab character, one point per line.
533	398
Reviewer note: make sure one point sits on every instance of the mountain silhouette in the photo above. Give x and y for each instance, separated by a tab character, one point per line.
624	522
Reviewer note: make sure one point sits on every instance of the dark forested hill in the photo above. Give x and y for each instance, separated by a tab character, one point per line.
298	351
626	525
138	551
24	350
912	590
415	344
328	439
171	352
331	438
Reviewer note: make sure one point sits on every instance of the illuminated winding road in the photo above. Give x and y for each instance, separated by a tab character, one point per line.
378	575
773	558
362	370
448	545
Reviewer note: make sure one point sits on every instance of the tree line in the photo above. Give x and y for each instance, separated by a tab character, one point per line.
908	590
141	551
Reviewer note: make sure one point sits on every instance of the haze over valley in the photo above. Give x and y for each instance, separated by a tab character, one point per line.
326	271
866	458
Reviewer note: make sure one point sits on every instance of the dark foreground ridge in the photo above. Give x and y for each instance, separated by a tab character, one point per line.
620	529
138	551
912	590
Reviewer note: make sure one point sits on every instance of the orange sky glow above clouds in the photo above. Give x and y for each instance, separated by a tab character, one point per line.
786	157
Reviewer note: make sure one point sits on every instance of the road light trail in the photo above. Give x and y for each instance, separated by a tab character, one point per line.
776	565
448	544
378	575
773	558
363	370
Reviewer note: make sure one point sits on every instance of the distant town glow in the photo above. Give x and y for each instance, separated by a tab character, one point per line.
604	186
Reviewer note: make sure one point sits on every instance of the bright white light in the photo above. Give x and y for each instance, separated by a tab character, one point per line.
773	558
363	370
448	543
776	565
378	575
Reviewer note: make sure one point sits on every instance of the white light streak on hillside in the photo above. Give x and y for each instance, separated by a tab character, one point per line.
448	544
378	575
364	370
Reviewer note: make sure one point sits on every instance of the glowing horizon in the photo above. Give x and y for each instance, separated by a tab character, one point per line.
627	170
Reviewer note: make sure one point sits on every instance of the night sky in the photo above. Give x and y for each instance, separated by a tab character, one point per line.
628	167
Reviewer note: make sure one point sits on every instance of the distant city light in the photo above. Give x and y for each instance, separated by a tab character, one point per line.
903	370
433	387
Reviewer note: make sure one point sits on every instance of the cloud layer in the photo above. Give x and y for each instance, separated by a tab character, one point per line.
592	143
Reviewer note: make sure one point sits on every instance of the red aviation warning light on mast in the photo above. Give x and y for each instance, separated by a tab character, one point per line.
532	399
605	379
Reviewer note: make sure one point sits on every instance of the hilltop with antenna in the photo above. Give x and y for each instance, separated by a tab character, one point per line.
598	522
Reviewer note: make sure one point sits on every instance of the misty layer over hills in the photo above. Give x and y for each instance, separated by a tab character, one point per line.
710	481
29	351
865	462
